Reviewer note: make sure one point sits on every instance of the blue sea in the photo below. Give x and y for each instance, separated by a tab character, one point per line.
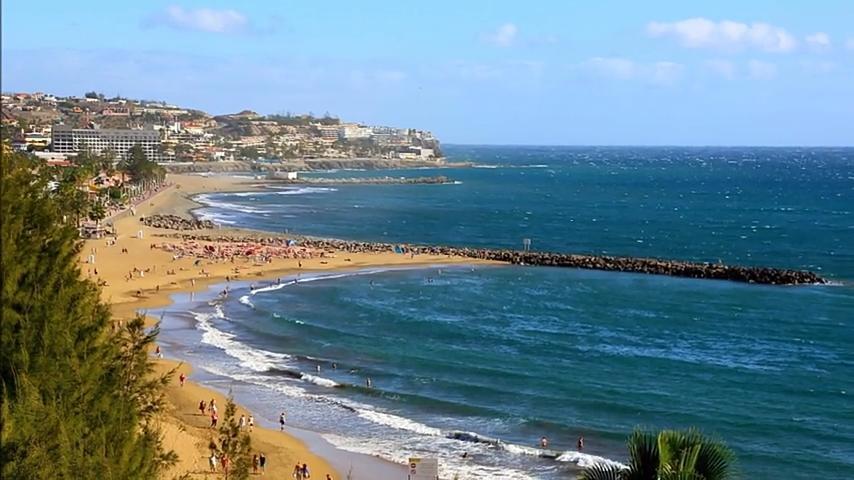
509	354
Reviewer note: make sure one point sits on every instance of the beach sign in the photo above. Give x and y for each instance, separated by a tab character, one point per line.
423	469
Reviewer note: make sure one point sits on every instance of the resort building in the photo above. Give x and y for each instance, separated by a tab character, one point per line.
96	140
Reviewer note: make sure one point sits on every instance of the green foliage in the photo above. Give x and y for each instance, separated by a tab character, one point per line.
140	168
77	401
234	443
669	455
248	153
97	212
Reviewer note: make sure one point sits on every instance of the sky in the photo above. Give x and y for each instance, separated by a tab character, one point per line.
669	72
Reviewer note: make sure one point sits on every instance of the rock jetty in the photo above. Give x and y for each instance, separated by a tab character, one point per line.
174	222
652	266
437	180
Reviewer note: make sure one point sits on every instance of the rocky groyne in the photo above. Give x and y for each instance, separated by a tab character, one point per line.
652	266
437	180
174	222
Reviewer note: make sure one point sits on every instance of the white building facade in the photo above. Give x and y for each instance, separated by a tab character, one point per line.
72	140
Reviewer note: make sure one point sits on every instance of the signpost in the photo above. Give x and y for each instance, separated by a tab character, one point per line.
423	469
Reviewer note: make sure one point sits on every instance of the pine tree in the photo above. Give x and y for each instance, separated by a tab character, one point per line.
234	443
77	402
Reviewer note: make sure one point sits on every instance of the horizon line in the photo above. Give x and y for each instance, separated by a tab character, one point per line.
627	145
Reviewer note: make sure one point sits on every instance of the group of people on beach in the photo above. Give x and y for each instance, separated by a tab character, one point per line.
231	250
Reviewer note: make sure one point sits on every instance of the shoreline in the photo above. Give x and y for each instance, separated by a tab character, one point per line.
156	276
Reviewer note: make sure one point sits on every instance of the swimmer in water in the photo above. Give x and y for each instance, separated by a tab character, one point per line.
369	383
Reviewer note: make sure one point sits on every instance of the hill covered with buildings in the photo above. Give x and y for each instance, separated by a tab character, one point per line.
58	127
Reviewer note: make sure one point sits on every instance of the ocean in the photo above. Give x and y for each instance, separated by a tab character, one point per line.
487	360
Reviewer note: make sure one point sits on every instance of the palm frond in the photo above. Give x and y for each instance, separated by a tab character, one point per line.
643	456
601	471
715	461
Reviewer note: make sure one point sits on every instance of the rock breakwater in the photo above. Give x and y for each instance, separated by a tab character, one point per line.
174	222
437	180
652	266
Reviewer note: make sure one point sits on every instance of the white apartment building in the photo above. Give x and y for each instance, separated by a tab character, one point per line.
71	140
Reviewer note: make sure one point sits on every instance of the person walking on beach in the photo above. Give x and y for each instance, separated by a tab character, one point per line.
304	471
297	472
262	461
182	378
225	462
242	423
214	419
212	405
212	461
255	463
251	423
202	406
282	422
580	443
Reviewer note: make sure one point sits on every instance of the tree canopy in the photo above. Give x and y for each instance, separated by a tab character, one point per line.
140	168
77	399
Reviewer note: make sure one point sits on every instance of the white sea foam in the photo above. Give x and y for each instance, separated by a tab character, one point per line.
205	198
521	449
398	422
586	460
398	450
323	382
284	387
215	217
278	191
253	358
314	278
245	300
304	190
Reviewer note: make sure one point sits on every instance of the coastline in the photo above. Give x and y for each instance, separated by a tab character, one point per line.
129	292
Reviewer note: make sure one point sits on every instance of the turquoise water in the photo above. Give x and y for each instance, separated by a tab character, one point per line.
516	353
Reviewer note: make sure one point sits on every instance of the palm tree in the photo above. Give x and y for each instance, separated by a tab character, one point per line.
669	455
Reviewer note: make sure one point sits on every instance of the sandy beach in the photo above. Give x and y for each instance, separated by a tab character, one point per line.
140	270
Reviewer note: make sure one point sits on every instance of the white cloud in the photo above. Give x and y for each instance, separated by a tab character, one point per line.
818	41
504	36
203	19
723	68
659	73
760	70
725	35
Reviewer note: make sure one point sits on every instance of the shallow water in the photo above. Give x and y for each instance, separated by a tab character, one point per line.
515	353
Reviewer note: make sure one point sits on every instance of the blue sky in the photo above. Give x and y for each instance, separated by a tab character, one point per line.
672	72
